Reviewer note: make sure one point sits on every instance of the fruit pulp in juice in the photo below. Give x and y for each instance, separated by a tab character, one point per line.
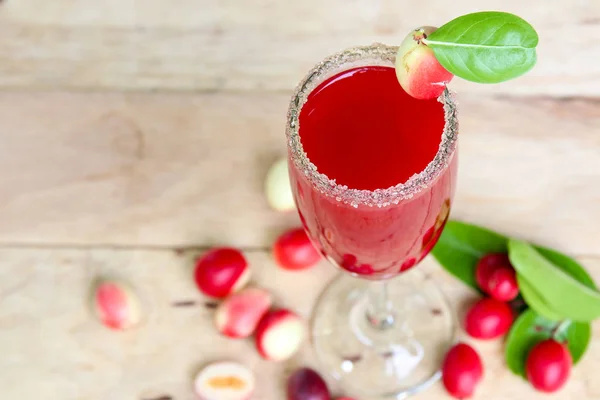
360	128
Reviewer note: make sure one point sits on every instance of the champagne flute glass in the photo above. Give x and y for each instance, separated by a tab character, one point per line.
373	172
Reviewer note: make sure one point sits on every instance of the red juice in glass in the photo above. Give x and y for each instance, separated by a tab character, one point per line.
373	173
362	130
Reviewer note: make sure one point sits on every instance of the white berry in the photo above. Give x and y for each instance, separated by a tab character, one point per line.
277	187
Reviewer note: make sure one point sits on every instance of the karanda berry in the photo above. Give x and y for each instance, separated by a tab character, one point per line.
462	370
548	365
420	74
496	277
488	319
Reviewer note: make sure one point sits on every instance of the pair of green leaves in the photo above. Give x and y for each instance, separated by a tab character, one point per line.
554	286
485	47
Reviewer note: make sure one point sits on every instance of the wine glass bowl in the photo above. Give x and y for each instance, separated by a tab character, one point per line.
381	327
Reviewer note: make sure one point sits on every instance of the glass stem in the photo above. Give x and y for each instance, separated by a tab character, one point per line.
379	309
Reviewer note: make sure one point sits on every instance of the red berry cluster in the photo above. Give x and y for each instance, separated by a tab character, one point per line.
549	361
222	273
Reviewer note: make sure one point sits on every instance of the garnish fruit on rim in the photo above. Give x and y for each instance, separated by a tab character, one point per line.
418	71
482	47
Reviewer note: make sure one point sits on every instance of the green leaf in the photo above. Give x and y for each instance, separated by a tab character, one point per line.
531	328
461	246
485	47
562	293
535	300
567	265
578	336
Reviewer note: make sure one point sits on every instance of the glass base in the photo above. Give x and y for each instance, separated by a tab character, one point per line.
392	360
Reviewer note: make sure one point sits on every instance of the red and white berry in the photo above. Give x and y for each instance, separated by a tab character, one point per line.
239	315
279	335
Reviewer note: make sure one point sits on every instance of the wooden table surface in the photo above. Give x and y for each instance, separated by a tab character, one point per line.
133	135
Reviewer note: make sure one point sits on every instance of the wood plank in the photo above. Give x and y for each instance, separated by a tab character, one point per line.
187	170
50	344
259	44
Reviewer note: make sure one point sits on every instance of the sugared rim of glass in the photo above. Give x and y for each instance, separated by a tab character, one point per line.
381	55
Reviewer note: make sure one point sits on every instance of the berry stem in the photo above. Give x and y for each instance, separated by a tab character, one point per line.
559	328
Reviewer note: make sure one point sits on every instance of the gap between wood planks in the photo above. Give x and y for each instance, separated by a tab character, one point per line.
154	248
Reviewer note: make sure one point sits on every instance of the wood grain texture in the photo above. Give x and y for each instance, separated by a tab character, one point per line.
260	44
188	170
50	343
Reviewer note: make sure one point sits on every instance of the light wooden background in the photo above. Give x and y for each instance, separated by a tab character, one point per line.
133	134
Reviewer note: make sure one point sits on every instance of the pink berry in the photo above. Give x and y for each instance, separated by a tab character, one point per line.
462	371
420	74
224	381
221	272
279	335
239	315
306	384
548	365
488	319
294	251
116	305
496	276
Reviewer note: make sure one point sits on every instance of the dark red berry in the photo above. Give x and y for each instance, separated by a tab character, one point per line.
221	271
548	365
486	265
307	384
502	284
462	370
495	276
488	319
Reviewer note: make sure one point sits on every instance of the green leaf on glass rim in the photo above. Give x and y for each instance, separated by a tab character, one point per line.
562	293
461	246
531	328
485	47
